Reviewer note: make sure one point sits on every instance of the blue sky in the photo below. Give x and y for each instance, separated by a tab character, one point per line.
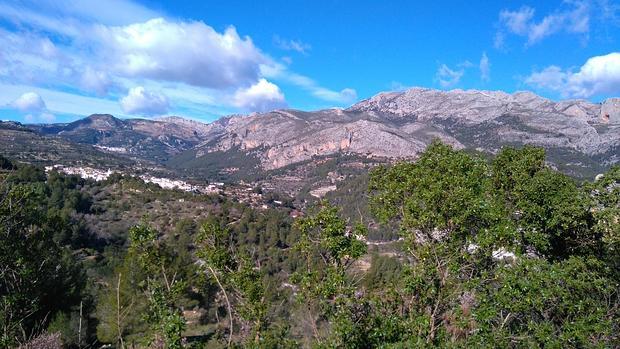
65	59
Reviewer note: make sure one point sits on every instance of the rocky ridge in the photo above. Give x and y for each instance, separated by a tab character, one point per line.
401	124
579	135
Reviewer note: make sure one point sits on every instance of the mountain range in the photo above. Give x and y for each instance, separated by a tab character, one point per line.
581	138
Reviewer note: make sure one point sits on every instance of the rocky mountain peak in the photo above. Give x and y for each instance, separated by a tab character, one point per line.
185	125
107	117
471	106
101	122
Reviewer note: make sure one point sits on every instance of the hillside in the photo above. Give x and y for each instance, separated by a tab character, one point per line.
154	140
580	138
21	143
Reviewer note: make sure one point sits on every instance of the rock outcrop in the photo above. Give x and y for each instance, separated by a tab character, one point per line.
610	111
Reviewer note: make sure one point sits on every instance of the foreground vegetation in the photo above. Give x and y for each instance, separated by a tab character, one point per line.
500	253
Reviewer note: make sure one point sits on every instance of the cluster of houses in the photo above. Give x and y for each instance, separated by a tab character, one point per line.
243	192
166	183
84	172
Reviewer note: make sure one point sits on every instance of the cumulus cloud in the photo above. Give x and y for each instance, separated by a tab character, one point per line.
190	52
600	75
86	50
29	102
34	106
448	77
485	68
521	22
262	96
551	78
142	102
292	45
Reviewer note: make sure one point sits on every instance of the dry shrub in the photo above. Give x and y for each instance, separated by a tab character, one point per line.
44	341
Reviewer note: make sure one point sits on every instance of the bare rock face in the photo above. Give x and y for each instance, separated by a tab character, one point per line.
287	136
401	124
610	111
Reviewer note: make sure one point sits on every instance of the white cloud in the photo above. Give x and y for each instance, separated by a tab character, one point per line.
465	64
574	20
47	117
112	12
102	53
34	106
551	78
517	22
44	118
47	49
499	40
21	14
71	17
142	102
399	86
485	68
62	102
279	72
74	50
29	57
346	95
287	59
81	66
95	80
29	102
262	96
292	45
190	52
448	77
600	75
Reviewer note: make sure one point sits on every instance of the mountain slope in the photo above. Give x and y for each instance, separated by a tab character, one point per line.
581	138
21	143
154	140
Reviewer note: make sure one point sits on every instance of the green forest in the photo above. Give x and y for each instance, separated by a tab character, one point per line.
501	252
